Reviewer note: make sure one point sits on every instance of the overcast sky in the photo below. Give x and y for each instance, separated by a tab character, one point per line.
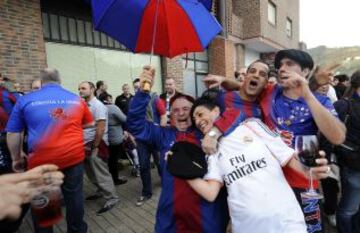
334	23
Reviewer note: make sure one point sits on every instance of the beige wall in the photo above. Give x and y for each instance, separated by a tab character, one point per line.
284	9
77	63
252	17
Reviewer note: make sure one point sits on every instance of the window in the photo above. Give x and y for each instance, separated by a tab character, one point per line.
195	70
46	26
70	30
288	27
272	13
54	27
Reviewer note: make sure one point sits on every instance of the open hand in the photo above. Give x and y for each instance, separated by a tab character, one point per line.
324	75
297	84
213	81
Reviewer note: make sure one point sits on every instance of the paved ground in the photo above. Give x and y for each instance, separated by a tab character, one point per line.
125	217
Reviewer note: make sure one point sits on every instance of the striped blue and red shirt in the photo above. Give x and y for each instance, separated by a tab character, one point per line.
235	110
180	208
7	102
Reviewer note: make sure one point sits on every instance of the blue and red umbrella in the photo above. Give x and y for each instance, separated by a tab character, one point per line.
207	4
180	26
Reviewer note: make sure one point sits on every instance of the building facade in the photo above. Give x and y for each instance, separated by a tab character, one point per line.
39	33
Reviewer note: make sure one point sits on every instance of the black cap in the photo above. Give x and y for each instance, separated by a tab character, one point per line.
186	161
299	56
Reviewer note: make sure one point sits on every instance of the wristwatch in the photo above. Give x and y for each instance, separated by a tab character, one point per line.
212	133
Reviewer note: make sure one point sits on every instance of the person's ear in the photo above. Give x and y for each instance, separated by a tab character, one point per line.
306	72
215	112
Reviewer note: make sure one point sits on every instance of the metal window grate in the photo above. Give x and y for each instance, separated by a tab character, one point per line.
198	65
70	30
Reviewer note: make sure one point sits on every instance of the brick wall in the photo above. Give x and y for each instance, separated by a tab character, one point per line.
22	48
221	57
249	12
173	68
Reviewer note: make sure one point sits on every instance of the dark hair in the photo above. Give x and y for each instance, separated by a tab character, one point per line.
99	84
136	80
209	103
103	97
259	61
273	73
91	84
236	74
179	96
354	84
341	77
211	94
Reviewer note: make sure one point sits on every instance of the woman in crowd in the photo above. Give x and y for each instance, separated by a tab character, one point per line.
249	162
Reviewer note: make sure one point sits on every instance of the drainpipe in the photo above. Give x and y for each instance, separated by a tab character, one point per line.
223	17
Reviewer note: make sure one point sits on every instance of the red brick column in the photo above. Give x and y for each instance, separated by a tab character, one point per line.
221	57
173	68
22	48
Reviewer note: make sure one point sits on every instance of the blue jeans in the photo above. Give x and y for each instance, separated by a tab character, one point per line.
72	190
145	151
348	214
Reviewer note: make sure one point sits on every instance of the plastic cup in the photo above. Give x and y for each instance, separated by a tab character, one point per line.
46	206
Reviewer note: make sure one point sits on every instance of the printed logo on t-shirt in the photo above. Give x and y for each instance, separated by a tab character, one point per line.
58	113
247	139
242	167
312	214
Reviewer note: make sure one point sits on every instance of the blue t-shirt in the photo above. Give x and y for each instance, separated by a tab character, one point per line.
294	115
53	118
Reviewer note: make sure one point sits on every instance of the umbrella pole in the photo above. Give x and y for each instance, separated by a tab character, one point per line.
154	31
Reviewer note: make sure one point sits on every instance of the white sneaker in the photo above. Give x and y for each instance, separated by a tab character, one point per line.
332	220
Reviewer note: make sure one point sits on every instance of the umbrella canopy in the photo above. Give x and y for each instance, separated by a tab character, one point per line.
207	4
181	26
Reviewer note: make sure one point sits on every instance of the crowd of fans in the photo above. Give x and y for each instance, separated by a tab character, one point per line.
234	148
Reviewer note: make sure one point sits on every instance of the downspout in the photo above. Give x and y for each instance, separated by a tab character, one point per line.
223	17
